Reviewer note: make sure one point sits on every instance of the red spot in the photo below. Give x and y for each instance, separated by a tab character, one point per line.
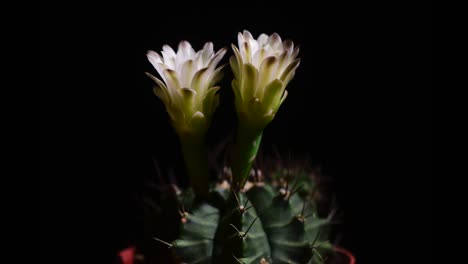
128	255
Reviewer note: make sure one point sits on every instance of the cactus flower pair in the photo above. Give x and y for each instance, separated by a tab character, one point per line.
262	69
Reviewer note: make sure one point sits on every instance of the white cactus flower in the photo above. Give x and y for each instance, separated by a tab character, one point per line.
187	88
262	68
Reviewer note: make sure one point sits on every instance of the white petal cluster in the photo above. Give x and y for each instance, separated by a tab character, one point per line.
262	69
187	85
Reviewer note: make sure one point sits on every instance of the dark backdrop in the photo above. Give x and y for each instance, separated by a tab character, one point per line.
359	106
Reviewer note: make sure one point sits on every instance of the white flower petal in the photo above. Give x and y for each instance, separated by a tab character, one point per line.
154	57
169	57
200	80
160	89
206	53
156	61
275	42
288	46
172	81
283	61
156	80
289	72
262	40
240	39
246	52
251	41
216	75
295	53
258	57
185	51
266	74
247	35
216	58
169	51
186	73
160	67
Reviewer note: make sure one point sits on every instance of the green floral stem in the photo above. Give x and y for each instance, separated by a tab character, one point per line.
245	150
196	163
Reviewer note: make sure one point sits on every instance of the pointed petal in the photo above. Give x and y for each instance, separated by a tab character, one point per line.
285	94
273	93
267	71
169	56
262	40
288	46
283	61
162	94
169	51
246	52
187	92
160	89
188	99
295	53
217	75
275	42
251	41
288	73
160	67
216	58
186	49
172	81
186	73
249	82
240	39
200	80
156	80
247	34
258	57
207	52
238	56
154	58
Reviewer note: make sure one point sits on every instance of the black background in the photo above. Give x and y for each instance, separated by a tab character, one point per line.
359	106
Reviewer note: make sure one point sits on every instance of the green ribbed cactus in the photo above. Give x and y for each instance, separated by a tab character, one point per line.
245	219
264	224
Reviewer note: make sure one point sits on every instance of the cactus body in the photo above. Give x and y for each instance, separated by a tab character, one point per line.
264	224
